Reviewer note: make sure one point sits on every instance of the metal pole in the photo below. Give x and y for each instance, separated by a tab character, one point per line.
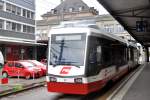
33	76
62	12
18	75
147	54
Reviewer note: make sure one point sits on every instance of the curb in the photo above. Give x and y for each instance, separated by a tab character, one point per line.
21	88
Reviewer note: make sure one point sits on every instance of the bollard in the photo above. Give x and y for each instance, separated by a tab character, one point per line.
1	71
4	81
33	75
18	74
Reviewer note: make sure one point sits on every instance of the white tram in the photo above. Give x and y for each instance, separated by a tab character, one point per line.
82	59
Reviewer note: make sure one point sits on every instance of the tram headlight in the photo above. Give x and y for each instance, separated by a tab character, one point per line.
53	79
78	80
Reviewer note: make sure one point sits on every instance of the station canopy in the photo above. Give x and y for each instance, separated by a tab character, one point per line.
133	15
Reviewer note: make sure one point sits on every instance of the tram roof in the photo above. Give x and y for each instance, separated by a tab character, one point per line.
110	36
86	26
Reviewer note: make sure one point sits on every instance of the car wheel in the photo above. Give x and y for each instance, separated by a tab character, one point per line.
5	74
27	76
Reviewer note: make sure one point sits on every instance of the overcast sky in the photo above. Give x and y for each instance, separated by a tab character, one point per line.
43	6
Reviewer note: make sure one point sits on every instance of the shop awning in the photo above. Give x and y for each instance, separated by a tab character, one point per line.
13	41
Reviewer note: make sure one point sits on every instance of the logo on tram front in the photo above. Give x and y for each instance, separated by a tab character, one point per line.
65	70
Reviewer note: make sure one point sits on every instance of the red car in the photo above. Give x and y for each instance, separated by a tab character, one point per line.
39	65
21	69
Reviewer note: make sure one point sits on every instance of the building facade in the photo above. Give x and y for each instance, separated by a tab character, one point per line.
67	10
77	10
17	29
108	24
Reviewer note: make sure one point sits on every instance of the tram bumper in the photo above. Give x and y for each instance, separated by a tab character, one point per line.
74	88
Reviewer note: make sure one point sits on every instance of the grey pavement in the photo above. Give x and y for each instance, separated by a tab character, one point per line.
140	89
40	93
18	84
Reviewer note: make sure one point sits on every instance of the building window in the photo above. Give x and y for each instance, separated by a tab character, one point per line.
1	5
14	26
71	9
24	28
53	11
81	8
18	11
8	7
32	15
109	28
24	12
19	27
13	9
119	28
28	29
32	29
1	24
64	10
8	25
28	14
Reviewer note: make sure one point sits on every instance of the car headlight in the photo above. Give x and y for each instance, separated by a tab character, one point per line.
78	80
53	79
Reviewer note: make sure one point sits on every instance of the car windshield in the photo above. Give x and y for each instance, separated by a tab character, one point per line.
27	64
67	49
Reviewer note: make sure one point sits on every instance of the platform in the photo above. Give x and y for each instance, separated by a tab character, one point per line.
140	89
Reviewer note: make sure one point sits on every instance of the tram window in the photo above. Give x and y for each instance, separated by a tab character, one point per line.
102	53
94	56
128	54
99	51
131	54
135	55
67	49
106	56
119	54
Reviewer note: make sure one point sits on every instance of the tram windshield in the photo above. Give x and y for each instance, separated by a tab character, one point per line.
67	49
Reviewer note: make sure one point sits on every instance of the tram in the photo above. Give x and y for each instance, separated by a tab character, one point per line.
82	59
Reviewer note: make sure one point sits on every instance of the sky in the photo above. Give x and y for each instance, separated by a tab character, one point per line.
43	6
